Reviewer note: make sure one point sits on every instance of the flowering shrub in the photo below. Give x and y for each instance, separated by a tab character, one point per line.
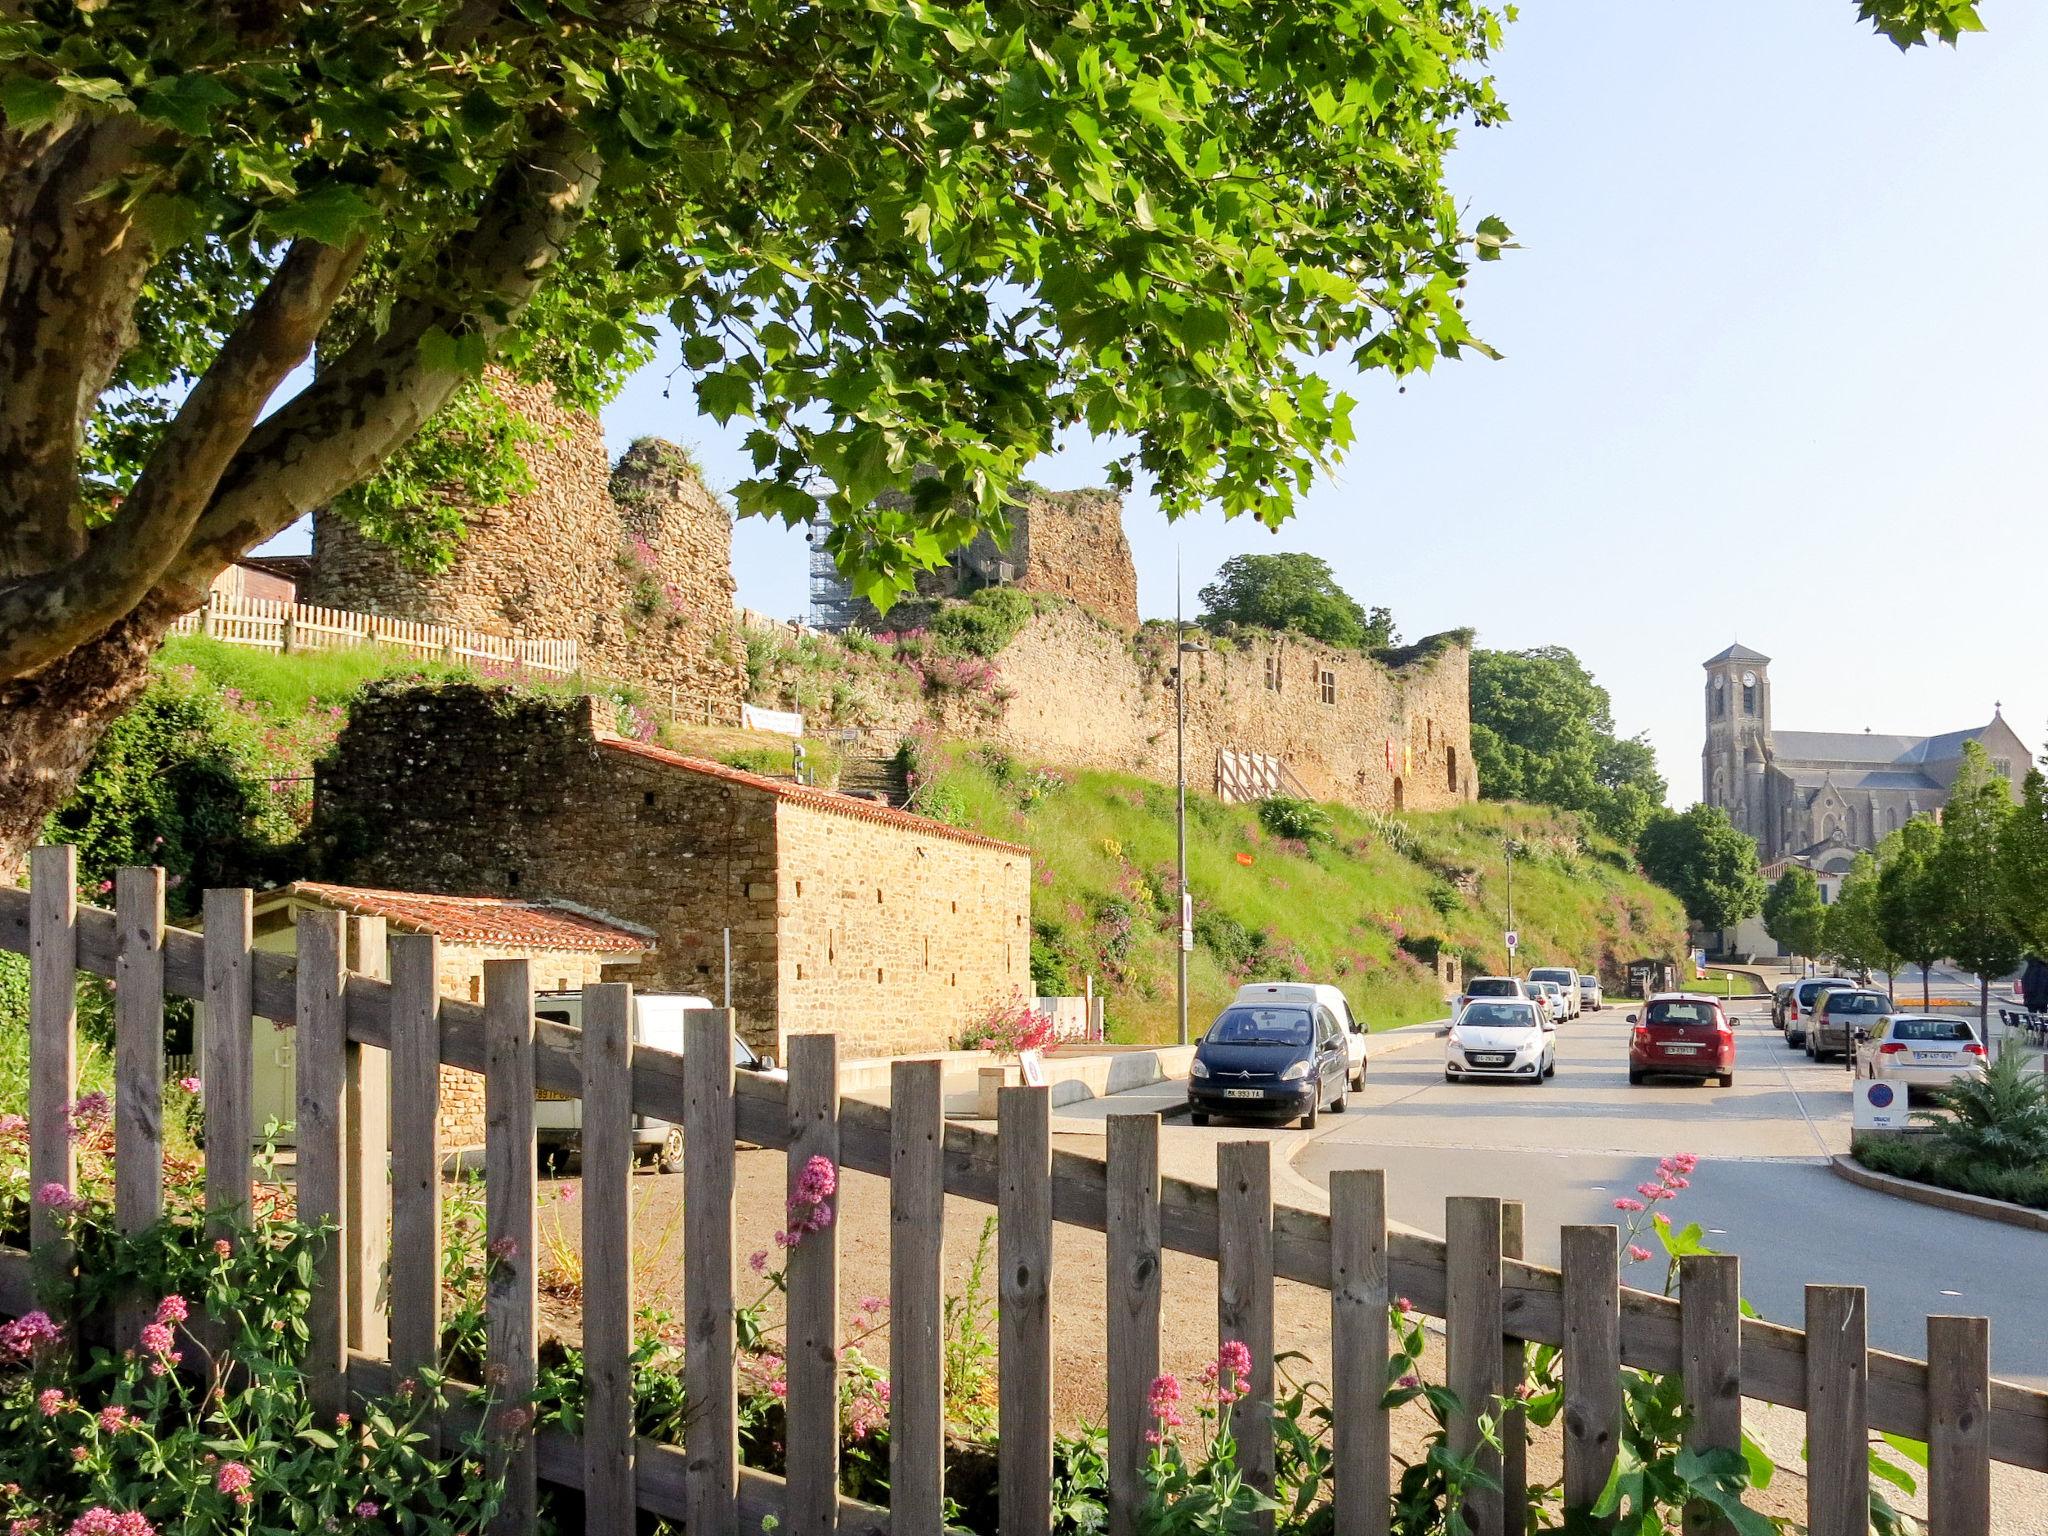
1008	1027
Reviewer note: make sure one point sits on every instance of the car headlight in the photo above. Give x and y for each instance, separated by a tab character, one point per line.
1295	1073
1197	1069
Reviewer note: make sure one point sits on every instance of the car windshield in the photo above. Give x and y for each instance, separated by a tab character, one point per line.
1558	976
1491	986
1262	1026
1680	1013
1809	990
1500	1016
1932	1029
1857	1002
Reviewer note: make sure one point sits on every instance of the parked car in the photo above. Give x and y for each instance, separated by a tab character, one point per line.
1919	1051
1502	1037
1488	986
1330	997
1269	1061
1800	1008
1681	1034
1567	980
1591	998
1551	996
1838	1012
657	1026
1781	1001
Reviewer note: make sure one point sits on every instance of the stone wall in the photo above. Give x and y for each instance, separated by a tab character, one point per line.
472	791
635	563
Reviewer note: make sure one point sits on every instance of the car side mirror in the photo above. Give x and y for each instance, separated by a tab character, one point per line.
1631	1019
767	1063
1862	1037
1357	1028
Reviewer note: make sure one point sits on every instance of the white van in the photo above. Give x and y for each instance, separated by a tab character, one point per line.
1567	980
657	1025
1316	992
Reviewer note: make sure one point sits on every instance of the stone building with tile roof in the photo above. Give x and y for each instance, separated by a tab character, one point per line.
1820	796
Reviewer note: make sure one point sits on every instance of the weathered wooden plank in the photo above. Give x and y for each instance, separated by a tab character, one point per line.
1959	1423
1472	1336
813	1279
1592	1361
1244	1296
227	1058
138	1066
322	1044
712	1437
1361	1447
1132	1308
52	1056
1024	1299
917	1260
609	1503
1710	1316
1837	1425
511	1159
1514	1375
415	1154
366	1138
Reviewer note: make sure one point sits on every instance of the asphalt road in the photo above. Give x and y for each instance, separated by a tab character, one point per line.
1762	1188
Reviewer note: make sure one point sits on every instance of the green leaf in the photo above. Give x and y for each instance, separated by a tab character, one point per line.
30	103
190	103
333	213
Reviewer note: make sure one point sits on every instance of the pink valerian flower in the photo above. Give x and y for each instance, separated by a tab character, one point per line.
1653	1191
173	1309
27	1334
1230	1373
13	1128
160	1345
1638	1252
1660	1218
91	1113
867	1412
810	1208
366	1510
1403	1305
1629	1204
55	1197
503	1249
232	1477
222	1247
872	1305
51	1401
514	1419
190	1084
114	1418
1163	1396
27	1527
757	1261
818	1181
101	1521
1410	1380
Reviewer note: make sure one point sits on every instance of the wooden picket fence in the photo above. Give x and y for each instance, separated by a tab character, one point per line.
270	625
368	1053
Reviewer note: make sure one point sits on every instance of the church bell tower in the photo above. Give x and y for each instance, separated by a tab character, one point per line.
1738	715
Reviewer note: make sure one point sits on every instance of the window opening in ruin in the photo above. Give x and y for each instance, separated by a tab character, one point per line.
1329	687
878	895
476	989
1451	767
878	973
1273	671
1400	799
647	797
799	887
512	879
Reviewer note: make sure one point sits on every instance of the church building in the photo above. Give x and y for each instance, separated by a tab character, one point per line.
1820	796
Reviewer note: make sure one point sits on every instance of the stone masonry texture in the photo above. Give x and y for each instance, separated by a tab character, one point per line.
893	930
634	563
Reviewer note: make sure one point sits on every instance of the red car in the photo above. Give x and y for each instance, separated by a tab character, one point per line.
1680	1034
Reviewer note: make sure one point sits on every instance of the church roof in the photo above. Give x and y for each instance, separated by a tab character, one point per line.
1862	778
1736	652
1868	748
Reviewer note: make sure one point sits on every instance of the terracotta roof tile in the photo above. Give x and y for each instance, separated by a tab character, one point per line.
810	797
494	920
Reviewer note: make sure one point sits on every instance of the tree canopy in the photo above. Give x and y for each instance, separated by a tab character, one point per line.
1793	913
1543	730
1709	864
1293	592
1910	911
1854	934
1979	934
2023	865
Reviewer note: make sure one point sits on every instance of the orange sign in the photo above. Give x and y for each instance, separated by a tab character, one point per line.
1244	858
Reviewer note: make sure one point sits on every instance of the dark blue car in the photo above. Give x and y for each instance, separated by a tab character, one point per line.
1269	1062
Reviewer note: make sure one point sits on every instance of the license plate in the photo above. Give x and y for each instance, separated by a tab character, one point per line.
1934	1057
1490	1059
1683	1050
549	1096
1242	1093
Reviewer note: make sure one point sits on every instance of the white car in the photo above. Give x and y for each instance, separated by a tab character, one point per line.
1504	1037
657	1025
1551	996
1566	980
1591	998
1920	1051
1312	993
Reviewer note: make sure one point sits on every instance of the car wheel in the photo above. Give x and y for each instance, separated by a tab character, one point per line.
1197	1117
1450	1076
670	1158
1727	1079
1635	1078
1358	1080
1308	1119
1340	1103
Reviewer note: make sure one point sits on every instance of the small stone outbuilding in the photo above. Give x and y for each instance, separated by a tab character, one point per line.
889	928
568	945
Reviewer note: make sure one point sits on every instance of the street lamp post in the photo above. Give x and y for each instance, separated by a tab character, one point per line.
1511	847
1182	649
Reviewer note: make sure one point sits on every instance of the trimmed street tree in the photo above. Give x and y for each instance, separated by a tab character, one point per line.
1793	913
1297	592
1854	935
1980	936
1911	914
2023	866
1703	859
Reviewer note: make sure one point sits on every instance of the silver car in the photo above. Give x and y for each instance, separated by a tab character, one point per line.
1921	1052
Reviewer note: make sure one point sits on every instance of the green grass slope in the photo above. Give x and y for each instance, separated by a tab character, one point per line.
1367	906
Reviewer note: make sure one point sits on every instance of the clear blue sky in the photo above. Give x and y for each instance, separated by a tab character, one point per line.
1775	351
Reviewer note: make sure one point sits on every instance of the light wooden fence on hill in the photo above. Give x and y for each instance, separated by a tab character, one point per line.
1489	1298
277	626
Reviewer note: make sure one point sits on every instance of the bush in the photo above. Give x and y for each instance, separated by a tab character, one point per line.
1238	949
1291	817
1925	1161
1997	1120
1445	897
1052	958
984	624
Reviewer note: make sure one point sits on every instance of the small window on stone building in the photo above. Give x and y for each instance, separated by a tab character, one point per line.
647	797
878	973
799	887
1451	767
1273	671
476	989
1329	687
878	895
561	983
512	878
956	906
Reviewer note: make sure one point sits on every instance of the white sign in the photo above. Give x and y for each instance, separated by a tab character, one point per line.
1514	941
786	722
1034	1068
1880	1106
1187	922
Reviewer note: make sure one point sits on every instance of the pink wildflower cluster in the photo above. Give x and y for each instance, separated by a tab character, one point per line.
503	1250
770	1372
159	1341
101	1521
1165	1398
90	1115
1008	1027
1673	1174
234	1479
51	1401
366	1510
868	1411
190	1084
13	1129
55	1197
27	1334
1229	1374
810	1208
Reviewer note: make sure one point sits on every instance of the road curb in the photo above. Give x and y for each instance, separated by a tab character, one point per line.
2001	1211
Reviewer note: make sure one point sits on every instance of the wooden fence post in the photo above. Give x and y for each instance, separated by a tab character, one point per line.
415	1154
366	1188
321	1040
1514	1374
52	1057
1244	1296
1592	1361
1361	1469
1837	1417
1472	1340
1024	1301
1710	1329
813	1333
711	1438
610	1507
1132	1308
138	1066
1958	1426
917	1261
227	1059
510	1298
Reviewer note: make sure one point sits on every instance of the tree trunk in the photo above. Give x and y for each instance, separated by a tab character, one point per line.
51	720
1984	1008
1926	989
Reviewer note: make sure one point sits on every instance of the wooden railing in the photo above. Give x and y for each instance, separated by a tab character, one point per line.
1490	1299
278	626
